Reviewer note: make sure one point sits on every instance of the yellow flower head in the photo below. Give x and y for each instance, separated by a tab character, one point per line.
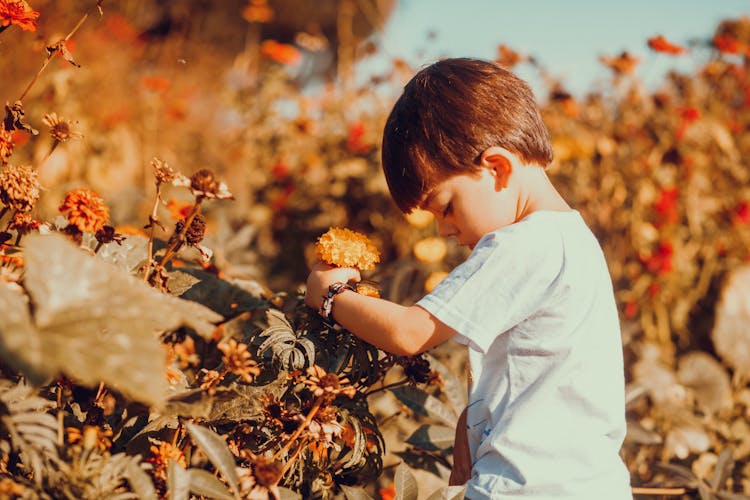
346	248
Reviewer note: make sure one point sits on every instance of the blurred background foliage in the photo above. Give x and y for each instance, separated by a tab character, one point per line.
267	95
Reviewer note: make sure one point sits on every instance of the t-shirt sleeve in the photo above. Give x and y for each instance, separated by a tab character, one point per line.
505	280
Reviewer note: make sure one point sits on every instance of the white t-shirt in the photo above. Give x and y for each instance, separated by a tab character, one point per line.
546	416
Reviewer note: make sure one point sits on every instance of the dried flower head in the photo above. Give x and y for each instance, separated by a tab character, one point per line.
325	427
196	231
162	171
85	209
18	12
161	455
6	145
277	415
416	368
326	384
238	360
19	187
60	129
203	184
108	234
14	118
346	248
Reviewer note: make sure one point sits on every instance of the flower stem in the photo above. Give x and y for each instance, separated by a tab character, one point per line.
291	460
152	223
389	386
316	406
179	238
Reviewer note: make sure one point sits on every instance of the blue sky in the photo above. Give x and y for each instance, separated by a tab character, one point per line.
566	36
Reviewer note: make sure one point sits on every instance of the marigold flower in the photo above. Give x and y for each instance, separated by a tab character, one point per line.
346	248
18	12
162	455
238	360
23	223
327	384
6	145
661	44
261	481
430	250
85	209
19	187
280	52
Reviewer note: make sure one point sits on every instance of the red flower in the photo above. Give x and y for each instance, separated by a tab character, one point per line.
660	262
631	310
354	142
741	213
17	12
729	45
661	44
687	116
280	170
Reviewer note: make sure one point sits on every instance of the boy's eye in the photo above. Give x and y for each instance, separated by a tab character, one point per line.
447	209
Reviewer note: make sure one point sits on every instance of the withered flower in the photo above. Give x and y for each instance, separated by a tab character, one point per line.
238	360
14	118
203	184
108	234
60	48
163	172
327	384
162	455
346	248
19	187
92	436
416	368
196	231
209	379
325	427
260	482
60	129
17	12
6	146
85	209
277	415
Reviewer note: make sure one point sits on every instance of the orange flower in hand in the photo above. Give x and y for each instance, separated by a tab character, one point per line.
346	248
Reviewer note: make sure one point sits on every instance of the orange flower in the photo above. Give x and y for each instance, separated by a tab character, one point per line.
621	65
6	146
354	139
280	52
258	11
157	83
346	248
661	44
388	493
507	57
162	455
729	45
85	209
17	12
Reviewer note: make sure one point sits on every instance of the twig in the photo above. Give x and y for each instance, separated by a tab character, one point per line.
659	491
316	406
388	386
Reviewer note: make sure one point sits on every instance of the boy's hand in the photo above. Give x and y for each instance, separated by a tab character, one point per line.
322	276
461	471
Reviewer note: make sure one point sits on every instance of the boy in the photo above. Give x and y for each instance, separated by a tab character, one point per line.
533	301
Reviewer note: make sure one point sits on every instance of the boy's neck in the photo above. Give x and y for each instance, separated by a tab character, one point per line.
536	192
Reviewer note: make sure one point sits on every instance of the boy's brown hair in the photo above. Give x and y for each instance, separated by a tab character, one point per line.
449	113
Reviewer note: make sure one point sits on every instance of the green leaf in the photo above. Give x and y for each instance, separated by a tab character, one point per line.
406	484
99	324
433	437
140	482
448	493
217	452
178	482
425	404
352	493
206	484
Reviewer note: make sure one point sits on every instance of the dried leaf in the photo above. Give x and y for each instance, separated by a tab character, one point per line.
100	326
433	437
206	484
178	482
406	485
217	452
448	493
425	404
352	493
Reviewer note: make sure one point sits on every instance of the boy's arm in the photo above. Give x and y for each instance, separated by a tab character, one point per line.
400	330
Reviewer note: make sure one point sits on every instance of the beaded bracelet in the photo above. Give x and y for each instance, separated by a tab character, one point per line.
326	308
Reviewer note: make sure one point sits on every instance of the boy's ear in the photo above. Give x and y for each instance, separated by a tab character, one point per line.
500	164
